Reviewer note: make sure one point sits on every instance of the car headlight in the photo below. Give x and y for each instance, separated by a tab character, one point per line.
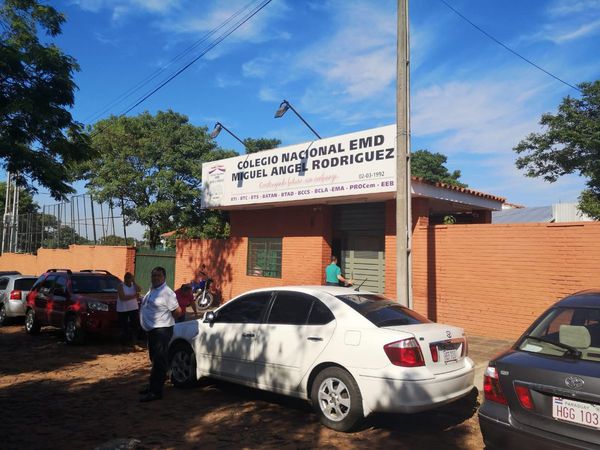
97	306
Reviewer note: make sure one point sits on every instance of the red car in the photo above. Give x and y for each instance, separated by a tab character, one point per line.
78	302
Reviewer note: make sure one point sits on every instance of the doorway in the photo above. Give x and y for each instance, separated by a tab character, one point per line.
359	243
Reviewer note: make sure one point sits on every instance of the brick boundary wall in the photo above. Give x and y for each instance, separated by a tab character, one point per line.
494	280
116	259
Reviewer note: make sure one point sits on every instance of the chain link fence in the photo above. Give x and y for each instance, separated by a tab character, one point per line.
81	220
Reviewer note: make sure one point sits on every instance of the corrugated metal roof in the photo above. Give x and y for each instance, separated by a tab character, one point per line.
523	215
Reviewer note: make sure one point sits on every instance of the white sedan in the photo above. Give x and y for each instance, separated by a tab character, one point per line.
350	353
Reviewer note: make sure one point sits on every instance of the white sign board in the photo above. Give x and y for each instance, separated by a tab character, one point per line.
347	165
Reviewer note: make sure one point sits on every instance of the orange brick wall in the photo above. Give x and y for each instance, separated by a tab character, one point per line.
494	280
116	260
306	233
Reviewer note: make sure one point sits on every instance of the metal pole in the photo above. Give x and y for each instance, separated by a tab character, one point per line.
302	119
43	217
12	228
59	226
93	218
5	211
112	216
123	219
403	196
102	221
87	237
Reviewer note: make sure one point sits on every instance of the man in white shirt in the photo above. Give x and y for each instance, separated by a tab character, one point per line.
158	312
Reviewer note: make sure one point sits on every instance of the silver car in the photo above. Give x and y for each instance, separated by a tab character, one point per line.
13	295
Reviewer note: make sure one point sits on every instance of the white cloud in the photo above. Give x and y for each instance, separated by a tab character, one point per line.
580	31
121	7
267	94
225	82
511	183
568	21
563	8
205	17
482	115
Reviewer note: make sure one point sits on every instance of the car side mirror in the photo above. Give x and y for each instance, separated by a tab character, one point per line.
209	317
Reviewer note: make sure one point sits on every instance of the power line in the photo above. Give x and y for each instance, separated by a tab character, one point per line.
188	65
459	14
160	70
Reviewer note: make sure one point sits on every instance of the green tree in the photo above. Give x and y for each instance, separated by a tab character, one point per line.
38	137
112	239
431	167
26	202
569	144
153	163
257	145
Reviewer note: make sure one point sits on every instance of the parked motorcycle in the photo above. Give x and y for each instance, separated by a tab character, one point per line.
202	295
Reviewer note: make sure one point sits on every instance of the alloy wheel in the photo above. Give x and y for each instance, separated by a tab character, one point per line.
70	330
29	321
334	399
181	366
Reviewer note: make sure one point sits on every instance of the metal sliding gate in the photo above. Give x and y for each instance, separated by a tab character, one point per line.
147	259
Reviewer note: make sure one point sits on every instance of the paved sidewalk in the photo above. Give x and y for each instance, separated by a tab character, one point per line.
481	350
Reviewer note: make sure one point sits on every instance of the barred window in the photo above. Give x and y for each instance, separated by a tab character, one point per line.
264	257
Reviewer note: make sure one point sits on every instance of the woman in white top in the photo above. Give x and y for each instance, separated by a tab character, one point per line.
127	308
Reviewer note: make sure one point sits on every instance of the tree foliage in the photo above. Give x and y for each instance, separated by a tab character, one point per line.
38	136
431	167
153	163
569	144
257	145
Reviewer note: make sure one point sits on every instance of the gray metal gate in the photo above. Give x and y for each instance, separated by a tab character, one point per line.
359	230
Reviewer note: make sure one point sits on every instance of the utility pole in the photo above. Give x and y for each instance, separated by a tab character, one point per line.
403	191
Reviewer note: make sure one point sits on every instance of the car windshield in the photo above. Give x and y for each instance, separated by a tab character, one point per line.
566	333
94	283
381	311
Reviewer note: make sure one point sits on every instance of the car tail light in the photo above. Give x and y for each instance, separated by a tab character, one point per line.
524	395
405	353
15	295
491	386
434	352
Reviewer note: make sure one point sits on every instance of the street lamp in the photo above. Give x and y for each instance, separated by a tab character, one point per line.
217	129
283	108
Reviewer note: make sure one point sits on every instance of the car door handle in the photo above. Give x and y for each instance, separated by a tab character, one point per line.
314	338
248	335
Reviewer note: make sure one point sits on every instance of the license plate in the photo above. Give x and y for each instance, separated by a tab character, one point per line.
449	356
576	412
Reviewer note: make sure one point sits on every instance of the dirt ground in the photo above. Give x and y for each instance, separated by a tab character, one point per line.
57	396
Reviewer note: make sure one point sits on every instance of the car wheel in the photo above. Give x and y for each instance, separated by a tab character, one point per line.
183	366
73	332
336	399
206	302
32	326
3	316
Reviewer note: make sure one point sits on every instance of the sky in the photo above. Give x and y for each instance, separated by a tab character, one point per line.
335	62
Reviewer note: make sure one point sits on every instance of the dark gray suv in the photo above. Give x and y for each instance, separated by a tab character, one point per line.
545	391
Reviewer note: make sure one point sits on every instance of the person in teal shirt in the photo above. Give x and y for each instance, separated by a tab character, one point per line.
333	274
